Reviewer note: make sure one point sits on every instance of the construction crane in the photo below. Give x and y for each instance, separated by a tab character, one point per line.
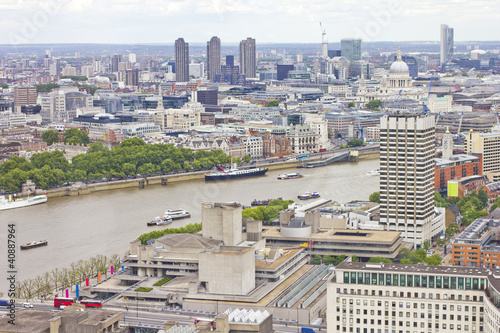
460	124
397	98
323	32
428	96
360	132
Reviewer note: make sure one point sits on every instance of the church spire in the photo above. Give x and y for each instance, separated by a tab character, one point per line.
160	100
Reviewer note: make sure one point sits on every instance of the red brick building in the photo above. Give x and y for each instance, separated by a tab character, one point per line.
493	190
459	166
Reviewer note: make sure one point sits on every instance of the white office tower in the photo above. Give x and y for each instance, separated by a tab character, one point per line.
446	44
407	176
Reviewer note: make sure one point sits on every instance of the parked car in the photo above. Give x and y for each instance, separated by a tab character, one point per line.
27	305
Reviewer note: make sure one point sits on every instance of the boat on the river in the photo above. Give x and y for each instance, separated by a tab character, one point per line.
256	202
235	173
176	214
9	202
308	195
34	244
374	172
290	176
159	221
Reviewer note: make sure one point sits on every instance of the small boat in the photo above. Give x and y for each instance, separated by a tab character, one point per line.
176	214
159	221
290	176
34	244
374	172
308	195
261	202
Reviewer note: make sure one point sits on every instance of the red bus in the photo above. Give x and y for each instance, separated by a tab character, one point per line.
322	150
207	320
89	303
60	301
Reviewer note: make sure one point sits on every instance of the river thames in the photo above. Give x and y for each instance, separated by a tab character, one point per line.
106	222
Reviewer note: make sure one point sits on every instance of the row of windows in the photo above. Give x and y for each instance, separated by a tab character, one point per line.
410	280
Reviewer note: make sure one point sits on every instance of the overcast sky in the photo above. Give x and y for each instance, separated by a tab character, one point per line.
288	21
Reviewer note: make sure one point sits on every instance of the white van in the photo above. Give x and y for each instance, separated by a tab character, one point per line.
27	305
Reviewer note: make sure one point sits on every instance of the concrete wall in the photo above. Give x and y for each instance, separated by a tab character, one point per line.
312	219
304	231
228	272
254	231
222	222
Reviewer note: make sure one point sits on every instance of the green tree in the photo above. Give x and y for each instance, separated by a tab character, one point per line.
439	201
483	196
374	104
238	161
355	142
274	103
97	147
434	260
129	169
354	259
441	242
374	197
351	105
405	261
76	136
426	245
50	136
45	88
4	86
246	158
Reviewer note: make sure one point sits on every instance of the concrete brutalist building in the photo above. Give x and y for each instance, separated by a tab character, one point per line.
73	319
228	266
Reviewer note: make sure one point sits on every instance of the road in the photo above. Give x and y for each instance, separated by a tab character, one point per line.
157	319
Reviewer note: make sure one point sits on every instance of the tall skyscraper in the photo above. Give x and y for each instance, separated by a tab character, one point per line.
248	58
213	57
132	78
181	60
407	176
446	44
230	60
117	58
351	48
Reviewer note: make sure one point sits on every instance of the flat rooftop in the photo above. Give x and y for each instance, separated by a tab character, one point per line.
457	159
28	321
336	235
419	269
262	264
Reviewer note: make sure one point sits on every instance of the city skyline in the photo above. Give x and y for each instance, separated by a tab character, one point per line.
67	21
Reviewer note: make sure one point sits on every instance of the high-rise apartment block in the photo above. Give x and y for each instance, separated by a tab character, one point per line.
213	57
117	58
181	60
230	60
351	48
407	176
446	44
24	95
132	78
248	58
